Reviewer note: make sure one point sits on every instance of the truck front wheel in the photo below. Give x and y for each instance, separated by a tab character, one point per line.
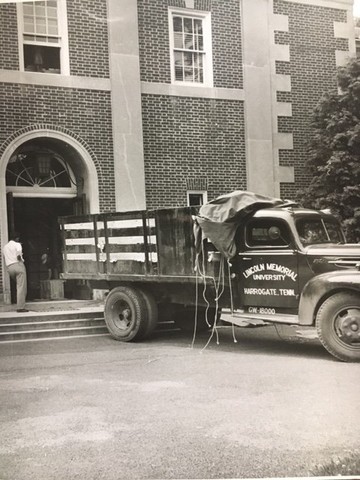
126	314
338	326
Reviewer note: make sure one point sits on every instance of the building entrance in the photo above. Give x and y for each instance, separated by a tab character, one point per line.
36	221
43	181
46	175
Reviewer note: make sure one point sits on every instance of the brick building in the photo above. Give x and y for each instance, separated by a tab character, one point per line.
118	104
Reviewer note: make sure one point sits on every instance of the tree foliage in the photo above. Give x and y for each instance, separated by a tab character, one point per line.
334	153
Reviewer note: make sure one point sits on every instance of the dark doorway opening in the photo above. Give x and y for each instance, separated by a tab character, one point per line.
36	219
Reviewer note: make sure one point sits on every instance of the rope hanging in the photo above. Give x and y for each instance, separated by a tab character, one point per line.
219	286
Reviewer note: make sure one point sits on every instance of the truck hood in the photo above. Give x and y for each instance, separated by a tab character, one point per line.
329	257
332	249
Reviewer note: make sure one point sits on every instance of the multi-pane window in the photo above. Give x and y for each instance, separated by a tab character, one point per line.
190	46
41	36
188	49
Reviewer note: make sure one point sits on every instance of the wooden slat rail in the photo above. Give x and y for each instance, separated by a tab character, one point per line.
109	243
125	245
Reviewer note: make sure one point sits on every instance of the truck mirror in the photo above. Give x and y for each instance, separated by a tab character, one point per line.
274	233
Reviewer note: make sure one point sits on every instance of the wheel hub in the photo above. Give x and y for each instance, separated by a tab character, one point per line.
349	326
122	316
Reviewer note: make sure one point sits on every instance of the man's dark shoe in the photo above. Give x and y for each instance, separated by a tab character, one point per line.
22	310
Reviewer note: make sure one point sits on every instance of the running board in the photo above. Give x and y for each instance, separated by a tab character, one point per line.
240	318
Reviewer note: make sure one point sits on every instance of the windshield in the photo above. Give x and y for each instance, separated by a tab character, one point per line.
313	231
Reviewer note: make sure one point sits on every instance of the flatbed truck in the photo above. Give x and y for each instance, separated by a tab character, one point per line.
289	266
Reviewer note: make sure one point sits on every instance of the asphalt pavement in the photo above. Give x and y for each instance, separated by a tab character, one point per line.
270	404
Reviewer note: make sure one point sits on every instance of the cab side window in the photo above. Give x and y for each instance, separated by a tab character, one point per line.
265	232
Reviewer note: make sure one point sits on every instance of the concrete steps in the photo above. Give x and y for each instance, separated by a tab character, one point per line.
43	324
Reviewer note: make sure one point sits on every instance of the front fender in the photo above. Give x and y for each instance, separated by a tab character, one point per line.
320	287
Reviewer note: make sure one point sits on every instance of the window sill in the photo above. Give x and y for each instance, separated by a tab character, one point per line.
55	80
50	70
192	91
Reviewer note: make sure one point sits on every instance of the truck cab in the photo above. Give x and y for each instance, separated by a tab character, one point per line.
280	249
291	266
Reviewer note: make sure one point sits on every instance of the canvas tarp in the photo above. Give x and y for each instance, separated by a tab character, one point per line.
219	219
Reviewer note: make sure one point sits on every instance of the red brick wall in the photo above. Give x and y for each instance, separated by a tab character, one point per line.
88	38
226	45
186	138
313	72
9	52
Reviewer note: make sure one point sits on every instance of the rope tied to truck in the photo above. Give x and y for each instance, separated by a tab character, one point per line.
200	272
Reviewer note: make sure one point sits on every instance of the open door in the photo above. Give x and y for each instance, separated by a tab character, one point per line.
11	230
79	204
36	221
10	213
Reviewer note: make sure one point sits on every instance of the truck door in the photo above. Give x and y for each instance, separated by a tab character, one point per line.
268	264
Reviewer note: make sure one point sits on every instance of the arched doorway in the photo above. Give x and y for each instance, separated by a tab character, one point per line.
45	177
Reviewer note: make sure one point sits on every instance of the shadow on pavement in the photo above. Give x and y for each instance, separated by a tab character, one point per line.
269	340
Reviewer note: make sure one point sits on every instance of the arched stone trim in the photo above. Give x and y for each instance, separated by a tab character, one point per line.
92	168
46	127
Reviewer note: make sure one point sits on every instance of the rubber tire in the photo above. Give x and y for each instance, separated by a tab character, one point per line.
184	319
135	300
325	325
152	312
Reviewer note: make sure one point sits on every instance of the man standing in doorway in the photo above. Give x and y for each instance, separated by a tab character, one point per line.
15	266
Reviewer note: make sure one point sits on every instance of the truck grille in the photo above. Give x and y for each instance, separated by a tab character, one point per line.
346	262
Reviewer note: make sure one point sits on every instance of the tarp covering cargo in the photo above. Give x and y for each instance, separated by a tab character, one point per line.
219	219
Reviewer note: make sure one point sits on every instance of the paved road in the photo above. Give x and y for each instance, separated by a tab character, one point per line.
93	408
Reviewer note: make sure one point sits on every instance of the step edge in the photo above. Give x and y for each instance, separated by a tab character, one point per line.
53	321
73	329
55	338
42	313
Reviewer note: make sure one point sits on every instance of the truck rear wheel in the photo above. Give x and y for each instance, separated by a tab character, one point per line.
152	311
126	314
338	326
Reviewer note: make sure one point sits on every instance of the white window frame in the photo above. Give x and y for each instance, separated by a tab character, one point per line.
35	190
63	34
197	192
208	67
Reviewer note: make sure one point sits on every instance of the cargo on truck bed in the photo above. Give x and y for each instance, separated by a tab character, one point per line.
259	257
